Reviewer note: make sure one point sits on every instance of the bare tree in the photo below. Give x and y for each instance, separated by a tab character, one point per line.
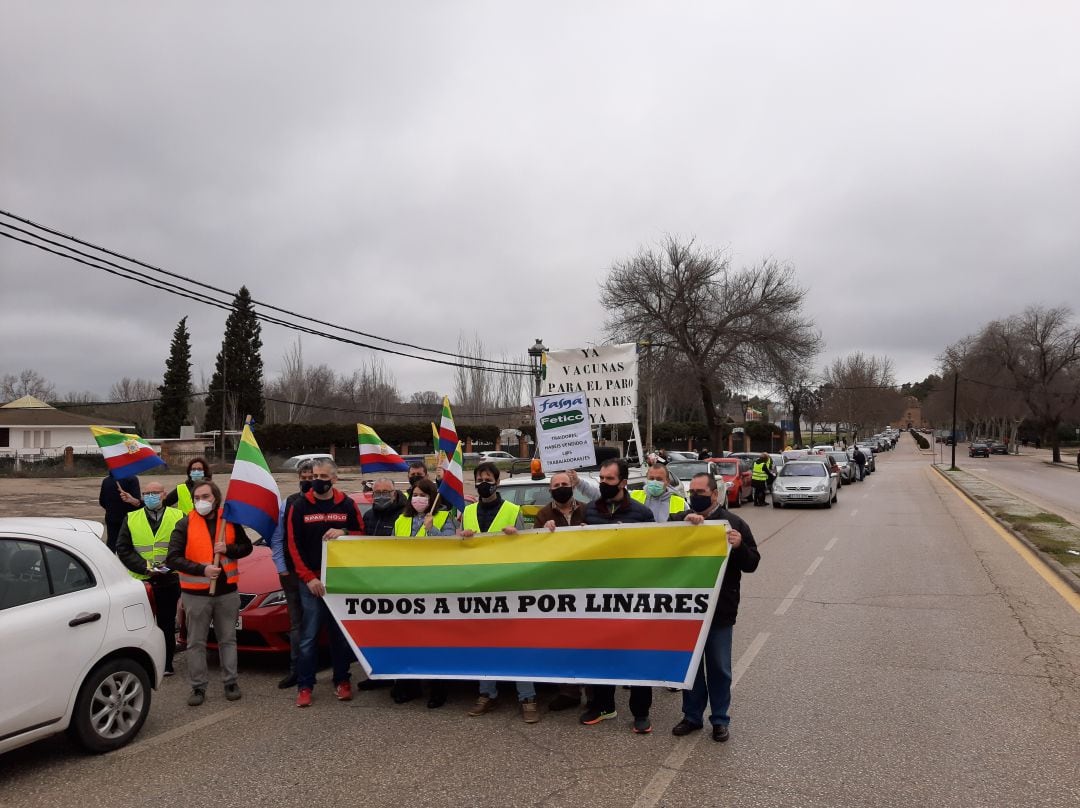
731	327
1040	351
26	383
862	392
134	403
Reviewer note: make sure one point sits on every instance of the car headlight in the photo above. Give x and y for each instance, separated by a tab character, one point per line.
819	487
275	598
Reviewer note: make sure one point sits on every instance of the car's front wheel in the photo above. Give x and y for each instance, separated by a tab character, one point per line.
112	705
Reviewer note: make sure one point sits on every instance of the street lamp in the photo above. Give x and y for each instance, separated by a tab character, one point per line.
536	361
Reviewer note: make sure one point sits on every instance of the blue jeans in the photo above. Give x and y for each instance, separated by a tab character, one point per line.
525	690
713	681
315	616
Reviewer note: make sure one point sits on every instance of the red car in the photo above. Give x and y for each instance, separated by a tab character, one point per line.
263	624
738	476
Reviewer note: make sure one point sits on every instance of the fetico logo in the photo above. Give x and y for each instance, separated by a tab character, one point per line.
562	419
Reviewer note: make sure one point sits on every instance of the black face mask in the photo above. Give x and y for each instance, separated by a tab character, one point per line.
321	486
699	503
413	479
485	489
382	502
562	495
305	486
609	491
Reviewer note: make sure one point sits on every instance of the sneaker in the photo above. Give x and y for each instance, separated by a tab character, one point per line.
484	704
529	712
642	726
197	697
594	716
343	691
170	672
232	691
287	682
684	727
720	733
564	701
303	697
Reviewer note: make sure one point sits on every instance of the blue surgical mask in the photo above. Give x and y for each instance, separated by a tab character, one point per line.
152	501
196	474
654	488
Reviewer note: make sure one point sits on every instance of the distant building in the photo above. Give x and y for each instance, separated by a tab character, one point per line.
29	426
912	416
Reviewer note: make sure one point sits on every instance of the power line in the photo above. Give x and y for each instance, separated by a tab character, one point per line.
143	279
479	361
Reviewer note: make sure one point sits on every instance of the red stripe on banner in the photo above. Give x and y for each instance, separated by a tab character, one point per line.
447	434
540	632
255	496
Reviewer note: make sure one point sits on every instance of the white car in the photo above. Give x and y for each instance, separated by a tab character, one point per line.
495	457
293	462
81	648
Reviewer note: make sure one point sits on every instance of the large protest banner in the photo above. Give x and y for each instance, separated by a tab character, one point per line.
626	605
608	375
563	438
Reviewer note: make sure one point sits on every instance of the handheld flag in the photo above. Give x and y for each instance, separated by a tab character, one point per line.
126	455
448	438
375	455
452	487
441	461
253	498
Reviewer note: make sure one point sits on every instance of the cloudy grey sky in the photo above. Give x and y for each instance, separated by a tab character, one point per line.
418	169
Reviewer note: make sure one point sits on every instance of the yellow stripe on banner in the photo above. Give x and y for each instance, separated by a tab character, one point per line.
565	544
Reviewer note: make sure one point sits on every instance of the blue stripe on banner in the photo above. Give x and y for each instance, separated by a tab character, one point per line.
530	663
138	467
249	516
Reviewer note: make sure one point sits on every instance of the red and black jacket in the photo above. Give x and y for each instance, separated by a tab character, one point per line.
307	519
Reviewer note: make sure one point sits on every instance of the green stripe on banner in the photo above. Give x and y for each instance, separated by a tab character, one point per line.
110	439
697	572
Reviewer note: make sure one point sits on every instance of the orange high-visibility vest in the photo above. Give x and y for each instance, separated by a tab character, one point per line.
200	549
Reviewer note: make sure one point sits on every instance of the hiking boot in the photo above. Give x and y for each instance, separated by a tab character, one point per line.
642	726
594	716
343	691
197	697
303	697
564	701
684	727
720	733
529	712
484	704
232	691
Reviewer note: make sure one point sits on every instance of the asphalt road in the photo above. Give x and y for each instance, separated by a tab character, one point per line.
894	650
1031	475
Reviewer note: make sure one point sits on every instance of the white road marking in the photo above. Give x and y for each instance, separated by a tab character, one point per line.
785	604
656	787
832	543
814	566
179	732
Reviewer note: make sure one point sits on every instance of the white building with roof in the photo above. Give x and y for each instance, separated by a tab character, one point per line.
30	427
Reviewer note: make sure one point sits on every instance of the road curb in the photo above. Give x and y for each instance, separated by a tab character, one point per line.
1067	577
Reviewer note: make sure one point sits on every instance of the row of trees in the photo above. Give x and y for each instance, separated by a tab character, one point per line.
1023	368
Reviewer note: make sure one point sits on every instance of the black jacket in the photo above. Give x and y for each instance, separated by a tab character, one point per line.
381	523
744	558
116	510
601	512
308	519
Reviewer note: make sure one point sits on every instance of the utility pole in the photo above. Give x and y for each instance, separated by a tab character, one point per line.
955	384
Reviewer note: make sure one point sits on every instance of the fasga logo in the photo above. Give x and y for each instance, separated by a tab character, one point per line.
561	403
561	419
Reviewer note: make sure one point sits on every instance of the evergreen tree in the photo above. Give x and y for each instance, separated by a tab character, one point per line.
237	384
171	409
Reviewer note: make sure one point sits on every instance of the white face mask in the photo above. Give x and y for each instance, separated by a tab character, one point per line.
203	507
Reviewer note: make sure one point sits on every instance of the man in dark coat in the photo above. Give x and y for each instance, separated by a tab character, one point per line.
118	497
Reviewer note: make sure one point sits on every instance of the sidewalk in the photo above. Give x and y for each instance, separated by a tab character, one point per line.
1056	540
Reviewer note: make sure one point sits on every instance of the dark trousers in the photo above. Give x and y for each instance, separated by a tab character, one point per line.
290	585
760	488
316	615
112	531
166	597
603	699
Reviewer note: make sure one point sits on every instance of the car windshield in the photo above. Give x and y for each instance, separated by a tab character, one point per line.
803	470
538	494
839	457
726	467
685	471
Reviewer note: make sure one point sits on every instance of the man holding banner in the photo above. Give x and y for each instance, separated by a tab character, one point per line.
712	684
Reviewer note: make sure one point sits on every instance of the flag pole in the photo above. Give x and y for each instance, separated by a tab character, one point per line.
221	515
